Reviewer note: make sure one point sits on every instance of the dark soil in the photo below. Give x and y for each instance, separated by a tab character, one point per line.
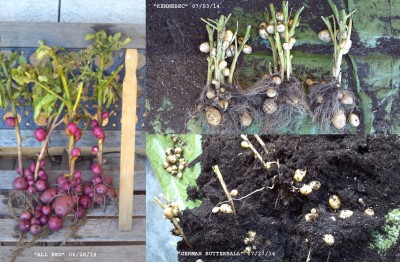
348	166
176	70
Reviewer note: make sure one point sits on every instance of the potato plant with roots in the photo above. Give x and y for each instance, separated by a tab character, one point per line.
285	96
333	105
222	104
59	85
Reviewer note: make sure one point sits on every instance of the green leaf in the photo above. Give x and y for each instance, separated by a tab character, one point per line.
175	188
22	60
89	37
43	79
41	54
46	104
117	36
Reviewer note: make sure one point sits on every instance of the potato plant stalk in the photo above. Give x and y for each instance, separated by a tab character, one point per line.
237	53
221	180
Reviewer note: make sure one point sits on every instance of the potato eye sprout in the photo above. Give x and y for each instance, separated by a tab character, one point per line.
328	100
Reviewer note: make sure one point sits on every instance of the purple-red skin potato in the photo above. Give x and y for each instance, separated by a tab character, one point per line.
78	189
43	220
101	189
55	223
20	183
78	174
112	193
94	123
46	210
99	199
107	180
76	152
105	114
71	129
80	212
32	167
41	185
61	179
96	169
95	150
47	196
10	121
37	214
27	172
42	164
64	205
85	201
29	177
96	180
31	183
31	190
40	134
24	225
78	135
87	189
39	208
42	175
98	132
35	229
78	180
34	221
66	186
25	215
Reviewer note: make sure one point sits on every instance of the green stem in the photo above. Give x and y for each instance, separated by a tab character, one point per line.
237	53
62	74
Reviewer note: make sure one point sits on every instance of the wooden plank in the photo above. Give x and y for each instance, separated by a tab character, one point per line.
95	230
103	253
139	208
128	128
67	35
7	177
59	139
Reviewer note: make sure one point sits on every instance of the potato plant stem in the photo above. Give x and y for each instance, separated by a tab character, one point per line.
178	227
221	180
43	148
18	135
237	53
244	137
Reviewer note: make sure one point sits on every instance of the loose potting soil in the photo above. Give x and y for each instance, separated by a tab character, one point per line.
350	167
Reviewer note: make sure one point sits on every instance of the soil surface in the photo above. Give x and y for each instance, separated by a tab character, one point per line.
176	72
347	166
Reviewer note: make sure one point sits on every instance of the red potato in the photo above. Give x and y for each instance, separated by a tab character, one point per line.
34	221
10	121
40	134
27	172
87	189
43	220
37	214
107	180
42	175
94	123
78	135
47	196
95	150
61	179
24	225
105	114
76	152
55	223
98	132
20	183
71	129
35	229
85	201
32	167
112	193
99	199
41	185
80	212
64	205
42	164
25	215
96	169
31	190
46	210
101	189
